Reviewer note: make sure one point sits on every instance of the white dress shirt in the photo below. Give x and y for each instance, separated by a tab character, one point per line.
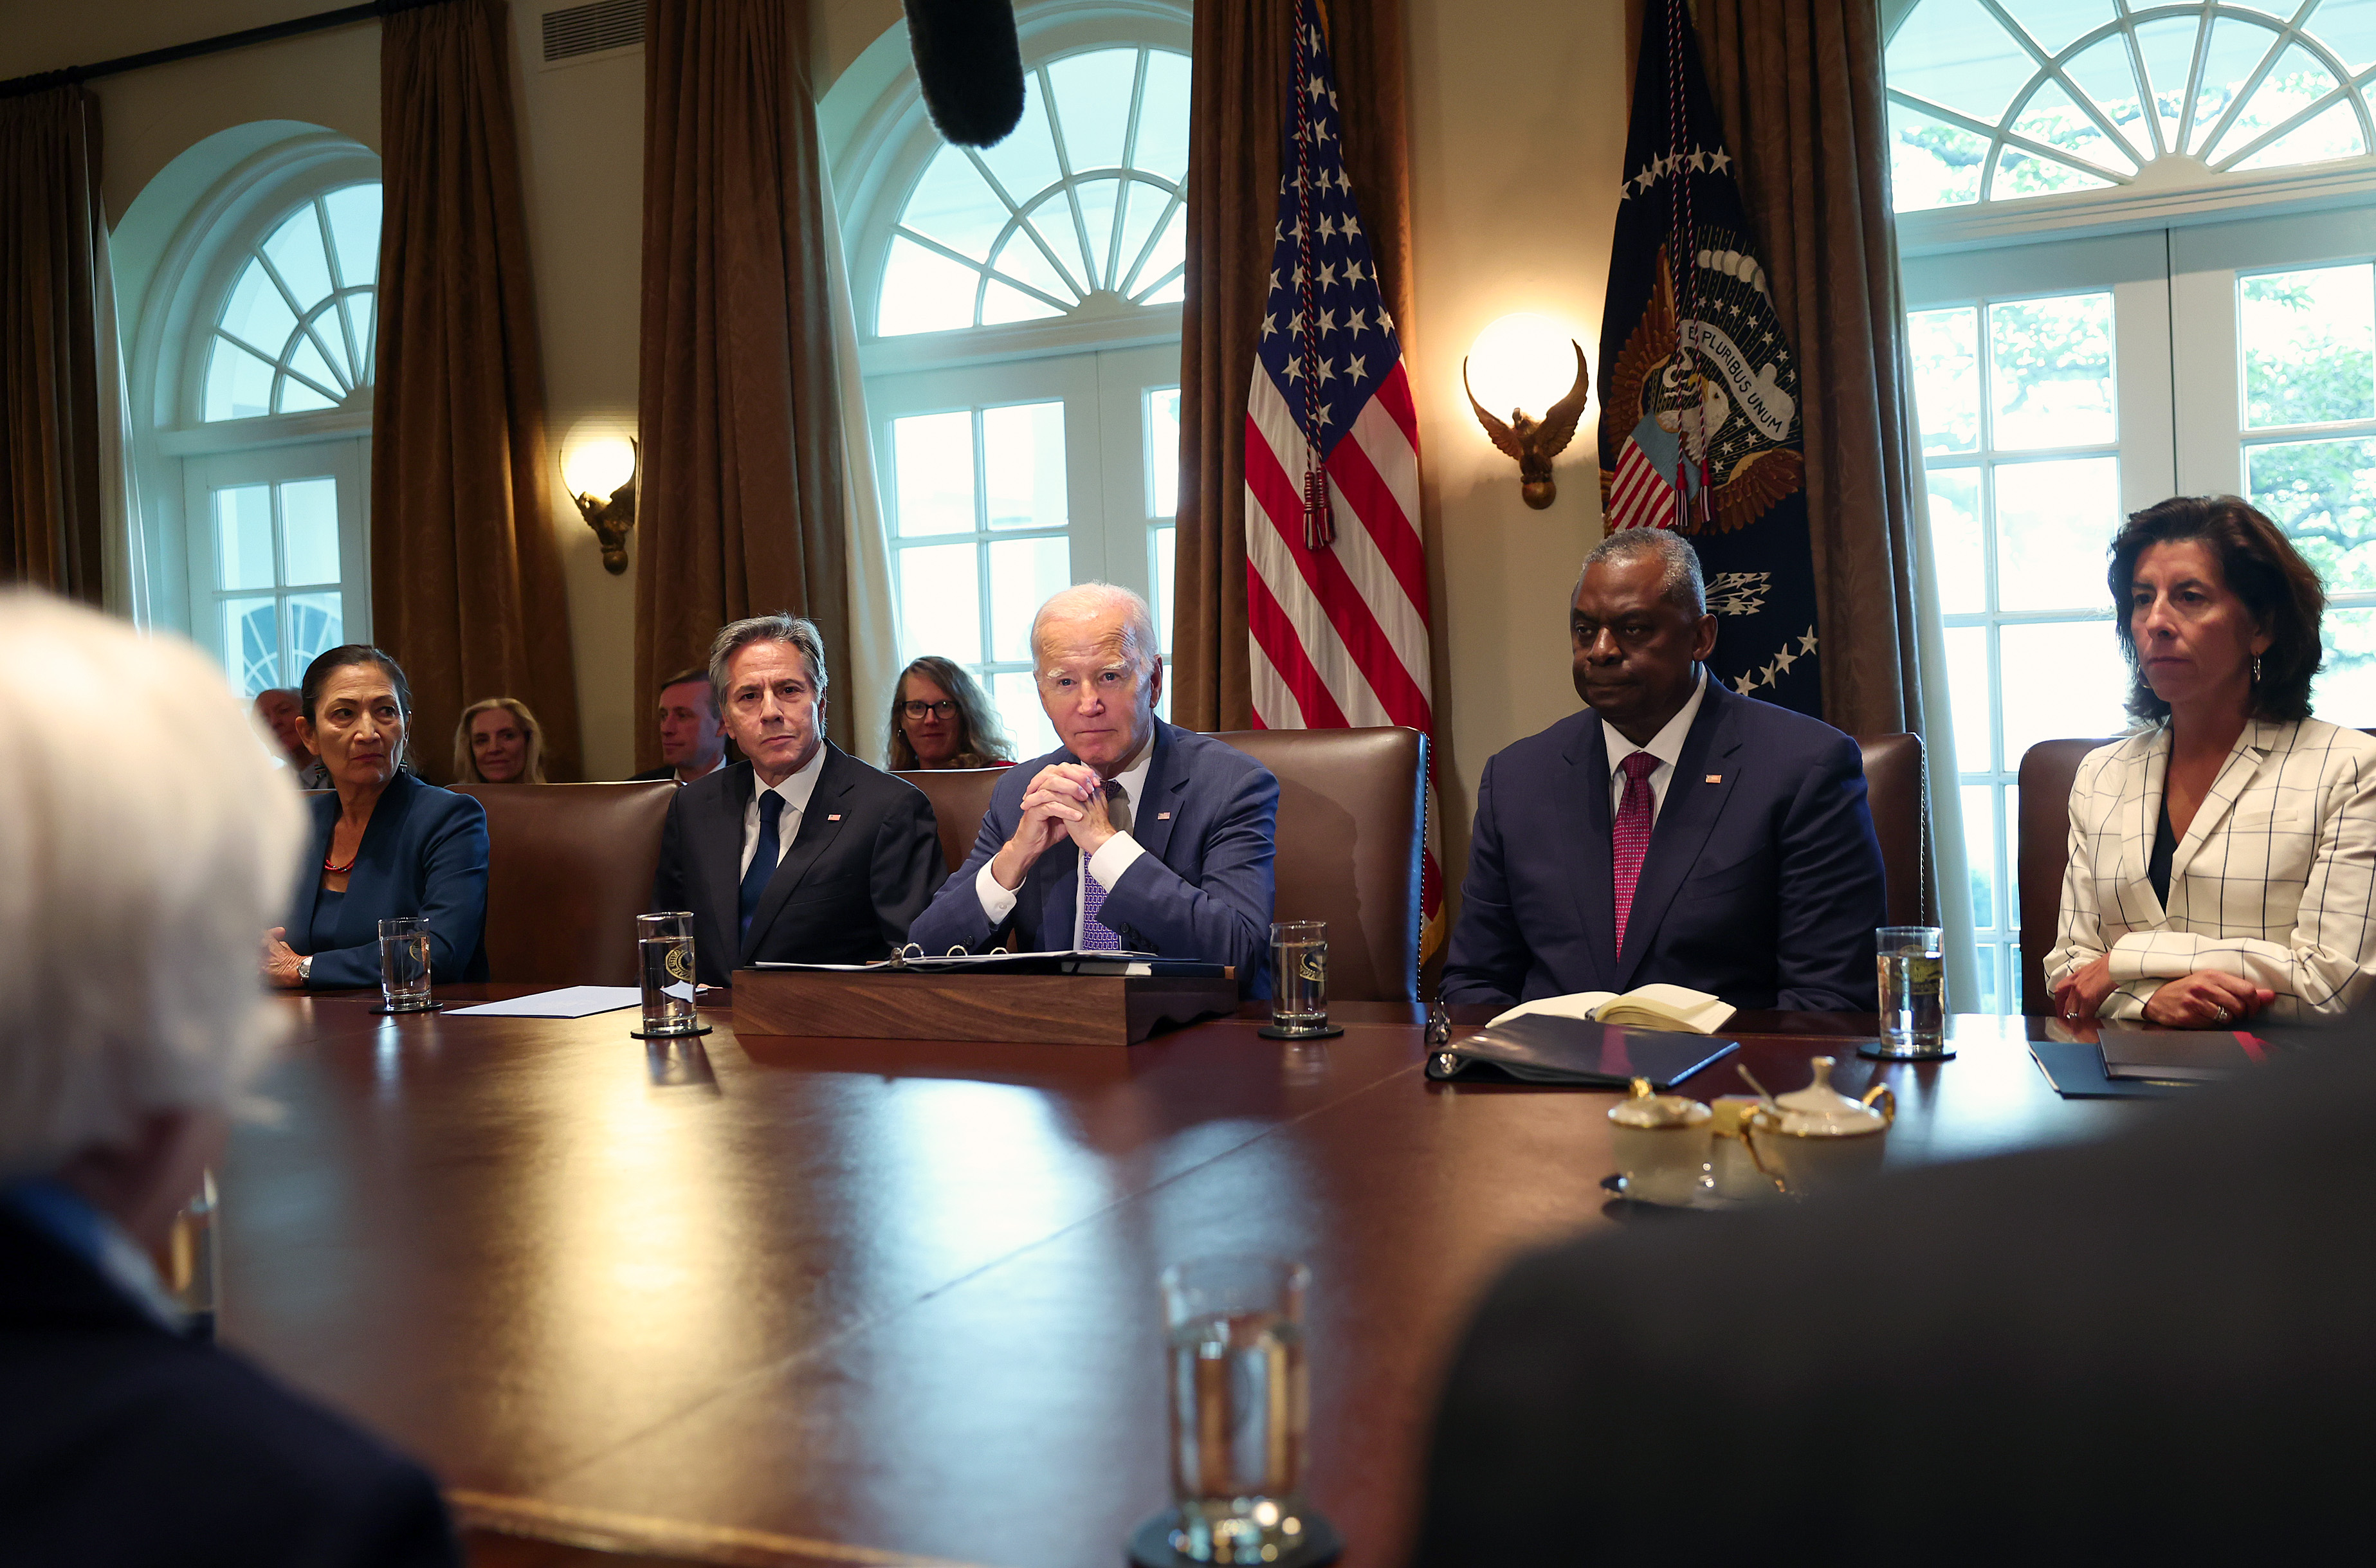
796	791
1667	745
1112	859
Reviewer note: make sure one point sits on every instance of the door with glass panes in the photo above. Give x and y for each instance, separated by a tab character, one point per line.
1004	482
266	588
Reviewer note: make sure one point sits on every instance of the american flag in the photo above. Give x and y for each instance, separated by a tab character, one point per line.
1335	570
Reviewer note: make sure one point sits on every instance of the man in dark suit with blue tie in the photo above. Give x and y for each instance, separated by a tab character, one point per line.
1135	834
802	853
1672	832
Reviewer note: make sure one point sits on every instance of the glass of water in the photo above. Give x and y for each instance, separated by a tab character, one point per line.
664	945
1241	1405
1298	976
404	964
1911	960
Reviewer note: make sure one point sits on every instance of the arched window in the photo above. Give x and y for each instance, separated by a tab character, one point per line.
251	376
1992	99
1019	311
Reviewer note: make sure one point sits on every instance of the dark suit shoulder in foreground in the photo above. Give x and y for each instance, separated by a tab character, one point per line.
1762	882
123	1446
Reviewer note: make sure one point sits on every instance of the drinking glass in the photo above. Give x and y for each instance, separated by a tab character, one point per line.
190	1269
1298	976
664	944
404	964
1913	1013
1239	1407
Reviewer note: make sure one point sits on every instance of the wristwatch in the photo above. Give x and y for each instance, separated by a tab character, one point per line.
305	969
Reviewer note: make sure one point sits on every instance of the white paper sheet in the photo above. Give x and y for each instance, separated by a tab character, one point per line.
569	1002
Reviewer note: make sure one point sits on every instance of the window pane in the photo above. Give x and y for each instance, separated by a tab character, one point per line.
1968	696
2332	134
1023	573
309	532
296	250
330	339
1169	294
940	602
1980	852
354	226
951	203
1170	250
308	362
2051	117
252	644
1019	706
317	624
2105	73
2296	82
2169	50
923	292
1164	575
2021	175
932	460
1991	957
2050	371
1945	348
239	386
1093	105
1098	199
2054	522
2344	691
1162	147
1147	206
1953	52
244	536
1023	465
1958	553
2053	23
1163	452
1025	163
2237	49
1931	163
296	397
2310	344
1000	302
256	314
1053	220
2071	682
2322	494
1024	262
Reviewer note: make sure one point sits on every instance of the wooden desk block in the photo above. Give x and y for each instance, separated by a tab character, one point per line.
1018	1009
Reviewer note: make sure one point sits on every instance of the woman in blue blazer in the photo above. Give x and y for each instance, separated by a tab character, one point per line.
384	843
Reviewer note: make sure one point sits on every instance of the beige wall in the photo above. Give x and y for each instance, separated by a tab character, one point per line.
1517	126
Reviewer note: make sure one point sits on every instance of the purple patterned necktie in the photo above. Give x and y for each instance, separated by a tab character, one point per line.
1629	837
1096	935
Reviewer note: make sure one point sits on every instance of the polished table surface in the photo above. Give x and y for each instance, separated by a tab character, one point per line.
779	1301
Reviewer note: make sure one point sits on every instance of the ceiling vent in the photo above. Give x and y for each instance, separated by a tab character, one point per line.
575	33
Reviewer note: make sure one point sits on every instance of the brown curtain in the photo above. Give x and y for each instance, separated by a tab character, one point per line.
1798	86
1244	54
741	509
52	230
466	576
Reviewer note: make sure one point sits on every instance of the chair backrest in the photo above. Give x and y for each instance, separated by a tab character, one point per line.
569	866
2042	855
1352	814
960	797
1893	788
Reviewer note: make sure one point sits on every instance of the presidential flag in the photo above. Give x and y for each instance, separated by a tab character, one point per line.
1335	571
1700	398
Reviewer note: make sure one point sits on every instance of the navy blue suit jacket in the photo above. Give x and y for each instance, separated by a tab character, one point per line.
1762	883
423	853
1203	890
121	1443
865	858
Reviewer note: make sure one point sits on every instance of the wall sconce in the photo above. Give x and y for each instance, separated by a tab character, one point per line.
1518	362
596	461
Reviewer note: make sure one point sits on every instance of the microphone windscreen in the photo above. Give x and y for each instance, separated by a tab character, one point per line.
970	65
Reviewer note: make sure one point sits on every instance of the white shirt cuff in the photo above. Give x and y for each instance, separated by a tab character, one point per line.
1107	864
997	900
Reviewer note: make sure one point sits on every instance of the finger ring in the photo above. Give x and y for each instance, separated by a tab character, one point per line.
2221	1014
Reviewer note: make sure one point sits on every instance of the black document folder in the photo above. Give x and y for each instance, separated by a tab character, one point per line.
2176	1056
2076	1071
1537	1048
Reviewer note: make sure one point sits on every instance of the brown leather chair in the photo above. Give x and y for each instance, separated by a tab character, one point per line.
1352	813
960	797
1893	788
569	866
2043	853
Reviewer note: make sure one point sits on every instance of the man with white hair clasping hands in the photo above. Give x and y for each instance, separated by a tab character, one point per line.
1135	835
131	1021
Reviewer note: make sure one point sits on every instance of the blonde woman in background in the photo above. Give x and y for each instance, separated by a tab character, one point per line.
499	742
941	717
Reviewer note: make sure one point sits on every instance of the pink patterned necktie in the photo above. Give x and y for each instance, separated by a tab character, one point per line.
1628	836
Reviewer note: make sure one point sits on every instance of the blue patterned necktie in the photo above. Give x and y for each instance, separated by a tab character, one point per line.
763	859
1096	935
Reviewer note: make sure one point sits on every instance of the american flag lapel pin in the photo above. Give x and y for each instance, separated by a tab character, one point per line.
837	816
1163	816
1716	777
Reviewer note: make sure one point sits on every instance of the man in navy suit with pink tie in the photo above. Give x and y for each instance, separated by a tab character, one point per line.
1672	832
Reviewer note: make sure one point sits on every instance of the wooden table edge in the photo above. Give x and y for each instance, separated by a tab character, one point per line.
603	1529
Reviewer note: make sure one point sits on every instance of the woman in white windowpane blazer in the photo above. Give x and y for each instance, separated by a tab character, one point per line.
2223	858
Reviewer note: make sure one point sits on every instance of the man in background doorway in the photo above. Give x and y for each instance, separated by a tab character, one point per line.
277	709
693	738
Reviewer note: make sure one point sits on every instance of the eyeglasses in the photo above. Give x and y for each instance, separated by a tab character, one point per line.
941	709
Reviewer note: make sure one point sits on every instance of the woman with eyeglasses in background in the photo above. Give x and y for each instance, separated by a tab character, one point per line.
941	717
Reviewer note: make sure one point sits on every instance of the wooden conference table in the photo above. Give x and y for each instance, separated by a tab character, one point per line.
792	1301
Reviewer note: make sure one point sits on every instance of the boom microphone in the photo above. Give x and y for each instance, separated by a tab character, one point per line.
970	66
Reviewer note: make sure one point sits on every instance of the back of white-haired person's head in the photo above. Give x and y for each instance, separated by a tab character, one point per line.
135	898
1090	601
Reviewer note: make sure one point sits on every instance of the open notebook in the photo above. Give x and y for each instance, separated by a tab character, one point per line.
1646	1006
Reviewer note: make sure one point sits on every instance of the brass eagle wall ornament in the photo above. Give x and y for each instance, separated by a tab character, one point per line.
1536	442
